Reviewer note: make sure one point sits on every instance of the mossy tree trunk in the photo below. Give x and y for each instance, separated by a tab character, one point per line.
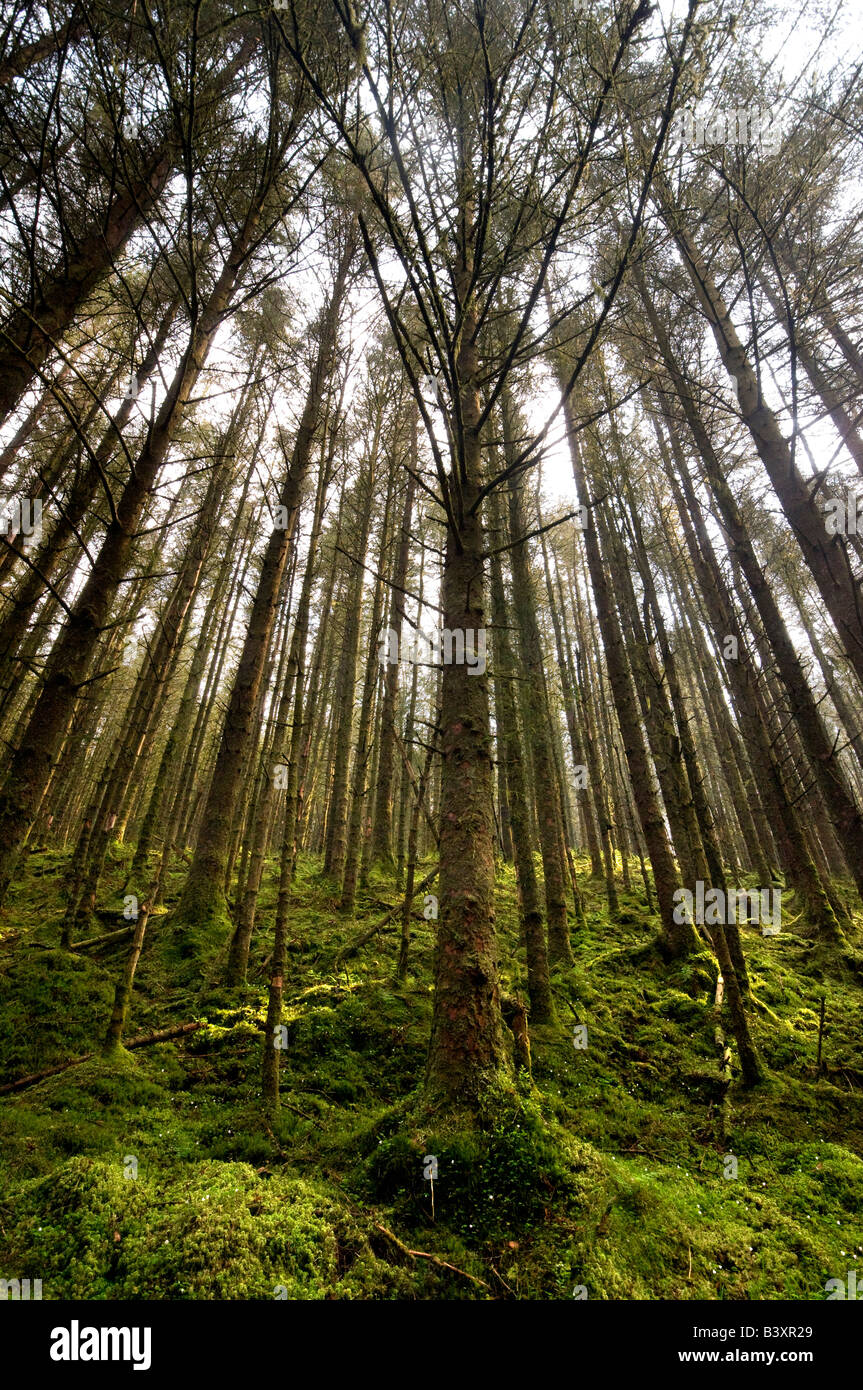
467	1047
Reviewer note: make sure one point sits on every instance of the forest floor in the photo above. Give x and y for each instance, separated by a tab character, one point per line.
154	1174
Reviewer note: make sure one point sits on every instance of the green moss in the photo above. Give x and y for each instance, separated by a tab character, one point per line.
216	1231
496	1179
608	1173
48	1000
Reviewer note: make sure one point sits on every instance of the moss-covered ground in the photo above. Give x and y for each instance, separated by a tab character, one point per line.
155	1174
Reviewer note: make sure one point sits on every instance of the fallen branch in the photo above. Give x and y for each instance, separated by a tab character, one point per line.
161	1035
101	940
424	1255
379	926
297	1111
503	1281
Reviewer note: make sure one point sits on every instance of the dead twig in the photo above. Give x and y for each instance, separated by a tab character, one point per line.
424	1255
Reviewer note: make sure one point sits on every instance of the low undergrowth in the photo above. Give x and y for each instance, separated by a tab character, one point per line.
617	1172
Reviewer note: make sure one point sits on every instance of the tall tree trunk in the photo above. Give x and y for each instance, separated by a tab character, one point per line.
68	665
382	833
536	717
825	554
360	788
30	333
677	938
203	901
467	1043
346	675
574	724
509	744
